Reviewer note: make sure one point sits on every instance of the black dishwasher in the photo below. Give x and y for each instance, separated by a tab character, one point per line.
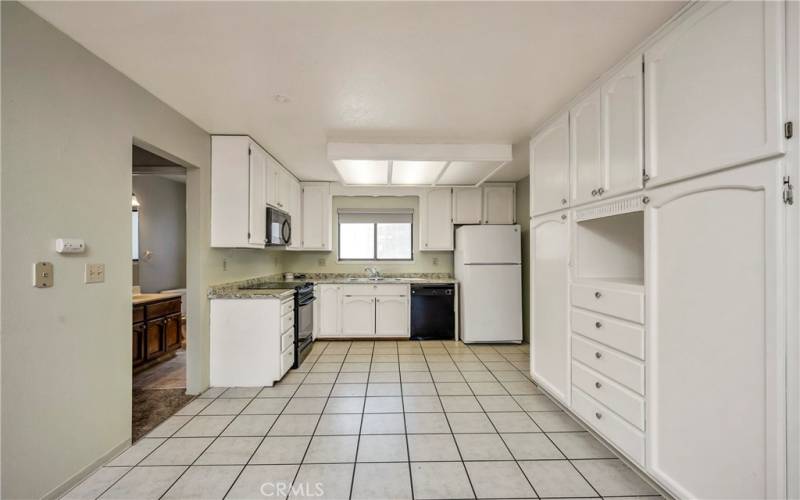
432	311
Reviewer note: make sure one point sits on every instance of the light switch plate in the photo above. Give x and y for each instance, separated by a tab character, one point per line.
95	273
43	275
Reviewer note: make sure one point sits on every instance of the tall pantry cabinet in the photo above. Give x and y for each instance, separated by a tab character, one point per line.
671	340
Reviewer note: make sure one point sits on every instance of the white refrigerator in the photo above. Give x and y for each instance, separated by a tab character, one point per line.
488	267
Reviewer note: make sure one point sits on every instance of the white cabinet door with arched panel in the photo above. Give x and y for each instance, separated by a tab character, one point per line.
392	316
549	167
623	156
716	335
550	344
714	90
586	149
358	316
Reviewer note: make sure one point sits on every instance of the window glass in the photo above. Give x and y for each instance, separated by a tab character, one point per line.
380	235
394	241
356	241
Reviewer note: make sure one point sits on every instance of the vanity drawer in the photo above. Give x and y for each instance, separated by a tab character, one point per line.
163	308
287	360
611	426
613	365
618	399
287	339
627	337
287	307
287	321
625	304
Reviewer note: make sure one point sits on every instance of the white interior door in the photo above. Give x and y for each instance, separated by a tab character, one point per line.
586	157
549	164
716	340
714	90
392	316
622	130
491	303
550	346
358	315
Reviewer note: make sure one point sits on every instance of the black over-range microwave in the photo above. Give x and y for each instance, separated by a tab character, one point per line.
279	228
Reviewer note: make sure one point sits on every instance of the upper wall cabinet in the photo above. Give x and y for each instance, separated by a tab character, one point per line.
467	205
436	219
713	90
295	209
623	115
586	152
499	203
316	223
549	163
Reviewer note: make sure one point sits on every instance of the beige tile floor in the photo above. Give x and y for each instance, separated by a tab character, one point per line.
374	420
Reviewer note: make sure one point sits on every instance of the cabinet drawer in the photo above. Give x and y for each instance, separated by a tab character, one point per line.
627	337
138	314
287	321
613	365
163	308
287	339
618	432
618	399
287	360
375	290
287	307
625	304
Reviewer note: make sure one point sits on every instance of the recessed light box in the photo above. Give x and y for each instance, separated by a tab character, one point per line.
467	173
365	172
416	172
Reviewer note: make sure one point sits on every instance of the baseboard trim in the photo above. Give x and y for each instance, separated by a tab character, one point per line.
86	471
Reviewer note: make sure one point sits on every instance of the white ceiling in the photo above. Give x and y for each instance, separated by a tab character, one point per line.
441	72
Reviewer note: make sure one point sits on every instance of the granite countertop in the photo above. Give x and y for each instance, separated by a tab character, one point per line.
144	298
283	289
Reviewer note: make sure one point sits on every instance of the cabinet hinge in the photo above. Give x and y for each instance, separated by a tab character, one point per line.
788	130
645	177
788	191
248	236
249	152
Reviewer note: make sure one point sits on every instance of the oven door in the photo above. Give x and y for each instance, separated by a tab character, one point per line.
279	227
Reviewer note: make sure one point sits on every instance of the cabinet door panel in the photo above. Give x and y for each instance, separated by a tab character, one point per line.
436	219
154	342
711	105
715	350
622	130
172	331
137	347
295	210
316	217
258	203
586	149
272	182
467	205
329	307
549	163
550	346
358	316
391	316
498	204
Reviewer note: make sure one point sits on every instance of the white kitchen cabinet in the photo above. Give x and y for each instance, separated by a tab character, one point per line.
467	205
499	203
716	337
316	216
257	224
549	166
329	305
712	104
272	182
296	211
436	219
358	315
392	316
623	116
550	336
283	196
586	149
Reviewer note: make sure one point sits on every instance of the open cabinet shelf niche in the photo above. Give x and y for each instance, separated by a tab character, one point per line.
611	249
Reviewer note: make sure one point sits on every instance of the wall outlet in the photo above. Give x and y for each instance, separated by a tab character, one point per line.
436	261
321	262
94	273
224	264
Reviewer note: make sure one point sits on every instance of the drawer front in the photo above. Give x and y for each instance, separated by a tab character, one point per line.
623	304
627	337
287	307
287	321
616	430
375	290
138	314
618	399
164	308
613	365
287	360
287	340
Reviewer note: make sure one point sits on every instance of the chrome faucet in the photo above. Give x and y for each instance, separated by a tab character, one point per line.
373	273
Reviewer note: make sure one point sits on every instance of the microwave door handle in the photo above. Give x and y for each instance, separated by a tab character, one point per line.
286	232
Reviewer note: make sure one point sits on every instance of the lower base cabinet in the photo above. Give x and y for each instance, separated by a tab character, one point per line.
156	331
358	316
363	310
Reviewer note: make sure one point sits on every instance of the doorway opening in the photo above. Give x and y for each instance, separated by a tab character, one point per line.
158	257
